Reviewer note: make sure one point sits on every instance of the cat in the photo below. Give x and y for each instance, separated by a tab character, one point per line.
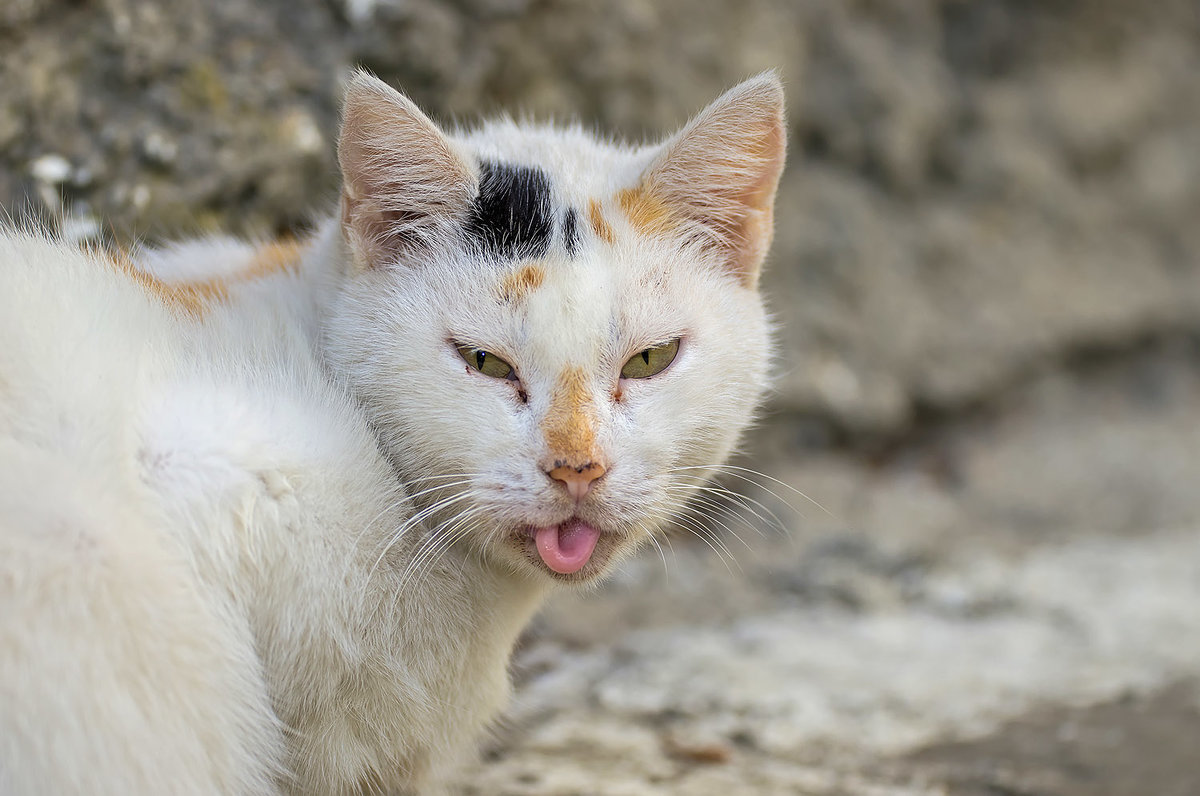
272	516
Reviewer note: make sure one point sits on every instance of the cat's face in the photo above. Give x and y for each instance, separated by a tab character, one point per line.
555	338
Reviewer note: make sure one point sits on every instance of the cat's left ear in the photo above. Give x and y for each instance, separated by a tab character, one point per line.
715	180
404	188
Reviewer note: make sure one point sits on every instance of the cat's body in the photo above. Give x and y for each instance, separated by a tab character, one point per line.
272	518
209	510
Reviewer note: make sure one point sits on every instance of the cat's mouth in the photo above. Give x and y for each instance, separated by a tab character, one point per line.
571	550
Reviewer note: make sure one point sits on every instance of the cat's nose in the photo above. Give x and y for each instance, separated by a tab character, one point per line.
577	480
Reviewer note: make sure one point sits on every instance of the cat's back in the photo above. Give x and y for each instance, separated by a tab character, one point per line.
61	310
116	674
74	340
104	357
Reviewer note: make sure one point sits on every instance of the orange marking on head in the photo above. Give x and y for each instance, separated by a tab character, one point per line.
522	282
603	231
646	212
570	424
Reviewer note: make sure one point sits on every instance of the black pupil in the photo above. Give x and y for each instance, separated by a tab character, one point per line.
646	356
480	356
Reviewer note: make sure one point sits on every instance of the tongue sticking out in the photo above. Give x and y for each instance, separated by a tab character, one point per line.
566	548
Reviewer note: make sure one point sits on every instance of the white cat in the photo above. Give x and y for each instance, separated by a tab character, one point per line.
271	518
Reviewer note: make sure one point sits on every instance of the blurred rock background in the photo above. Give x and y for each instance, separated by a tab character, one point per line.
976	186
987	281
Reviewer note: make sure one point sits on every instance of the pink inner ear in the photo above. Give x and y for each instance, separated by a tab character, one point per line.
404	187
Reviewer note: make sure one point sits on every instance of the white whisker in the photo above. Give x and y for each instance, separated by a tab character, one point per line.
745	503
663	556
735	471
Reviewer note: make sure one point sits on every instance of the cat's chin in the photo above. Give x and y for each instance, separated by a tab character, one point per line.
573	551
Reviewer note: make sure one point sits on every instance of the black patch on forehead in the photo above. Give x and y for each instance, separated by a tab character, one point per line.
570	231
511	216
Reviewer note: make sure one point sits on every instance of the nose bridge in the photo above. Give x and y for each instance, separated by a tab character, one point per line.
571	423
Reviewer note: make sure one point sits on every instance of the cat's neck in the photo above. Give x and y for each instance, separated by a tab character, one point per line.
457	617
503	603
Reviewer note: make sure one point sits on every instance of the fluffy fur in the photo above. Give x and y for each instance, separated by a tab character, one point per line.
265	529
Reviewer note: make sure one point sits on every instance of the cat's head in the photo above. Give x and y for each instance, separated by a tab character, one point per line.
555	337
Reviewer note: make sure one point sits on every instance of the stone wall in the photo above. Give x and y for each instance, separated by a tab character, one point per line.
976	189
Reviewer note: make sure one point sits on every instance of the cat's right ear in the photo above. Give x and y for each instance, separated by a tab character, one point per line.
404	189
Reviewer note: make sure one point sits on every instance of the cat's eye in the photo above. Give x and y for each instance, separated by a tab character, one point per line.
486	362
650	361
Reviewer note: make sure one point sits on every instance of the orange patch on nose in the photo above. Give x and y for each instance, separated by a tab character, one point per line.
570	425
599	225
646	212
522	282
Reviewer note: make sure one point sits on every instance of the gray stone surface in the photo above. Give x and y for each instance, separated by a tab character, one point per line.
975	188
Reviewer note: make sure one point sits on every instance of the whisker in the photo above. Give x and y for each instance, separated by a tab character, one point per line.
441	477
713	525
705	536
441	538
396	535
727	512
735	472
745	500
406	498
459	528
742	502
430	545
663	556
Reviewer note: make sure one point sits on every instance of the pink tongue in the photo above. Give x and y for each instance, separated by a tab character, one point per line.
566	548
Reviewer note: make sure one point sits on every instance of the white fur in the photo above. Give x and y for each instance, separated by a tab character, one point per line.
211	577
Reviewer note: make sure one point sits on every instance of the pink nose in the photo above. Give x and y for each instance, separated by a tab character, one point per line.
577	480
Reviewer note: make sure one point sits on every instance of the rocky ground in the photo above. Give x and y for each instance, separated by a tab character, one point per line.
988	290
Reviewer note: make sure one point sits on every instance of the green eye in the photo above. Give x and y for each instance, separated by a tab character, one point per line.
650	361
486	362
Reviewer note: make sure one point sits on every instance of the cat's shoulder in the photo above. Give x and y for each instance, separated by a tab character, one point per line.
158	363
